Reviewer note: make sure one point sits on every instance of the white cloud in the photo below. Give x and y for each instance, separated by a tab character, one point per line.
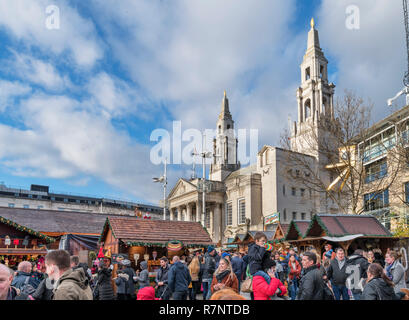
64	141
191	51
371	60
36	71
10	90
26	21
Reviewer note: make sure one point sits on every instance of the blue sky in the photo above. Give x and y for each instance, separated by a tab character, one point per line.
78	104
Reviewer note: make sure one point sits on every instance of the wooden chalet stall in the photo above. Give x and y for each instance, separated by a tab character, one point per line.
19	243
348	231
278	238
76	232
138	239
296	231
243	240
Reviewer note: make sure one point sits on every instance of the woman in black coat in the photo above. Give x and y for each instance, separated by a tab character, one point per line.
104	290
378	286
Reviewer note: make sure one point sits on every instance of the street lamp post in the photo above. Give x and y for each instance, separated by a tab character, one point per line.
163	179
204	155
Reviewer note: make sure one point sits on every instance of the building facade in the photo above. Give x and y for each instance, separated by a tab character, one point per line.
238	200
39	197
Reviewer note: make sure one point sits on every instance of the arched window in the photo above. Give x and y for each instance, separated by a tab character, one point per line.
307	108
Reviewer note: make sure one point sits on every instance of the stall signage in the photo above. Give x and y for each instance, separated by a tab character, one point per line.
273	218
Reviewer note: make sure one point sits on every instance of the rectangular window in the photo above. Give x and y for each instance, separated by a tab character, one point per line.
283	190
285	215
376	170
307	74
293	191
302	215
302	192
229	214
11	205
242	211
294	215
26	206
40	207
30	196
376	200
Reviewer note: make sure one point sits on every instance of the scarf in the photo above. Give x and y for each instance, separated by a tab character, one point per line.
388	271
222	275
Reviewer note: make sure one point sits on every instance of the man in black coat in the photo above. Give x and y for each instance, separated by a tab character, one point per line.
336	273
356	268
161	280
311	284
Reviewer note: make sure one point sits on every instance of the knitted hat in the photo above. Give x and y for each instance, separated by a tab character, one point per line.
225	254
210	249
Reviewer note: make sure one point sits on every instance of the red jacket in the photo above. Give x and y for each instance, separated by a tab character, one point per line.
294	272
263	291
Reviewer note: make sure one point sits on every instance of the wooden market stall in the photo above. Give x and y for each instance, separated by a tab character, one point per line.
20	243
76	232
341	230
138	239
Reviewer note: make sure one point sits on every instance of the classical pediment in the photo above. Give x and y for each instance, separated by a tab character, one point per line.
182	187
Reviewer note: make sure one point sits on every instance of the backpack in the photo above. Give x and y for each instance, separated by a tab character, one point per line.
27	288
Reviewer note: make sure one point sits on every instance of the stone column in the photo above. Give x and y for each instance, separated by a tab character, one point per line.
184	217
211	224
198	211
217	223
171	213
179	213
189	212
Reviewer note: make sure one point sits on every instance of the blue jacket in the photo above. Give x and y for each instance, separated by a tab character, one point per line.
179	277
239	267
20	278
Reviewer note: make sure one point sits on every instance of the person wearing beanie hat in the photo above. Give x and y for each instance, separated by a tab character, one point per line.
329	253
210	249
143	277
130	292
226	254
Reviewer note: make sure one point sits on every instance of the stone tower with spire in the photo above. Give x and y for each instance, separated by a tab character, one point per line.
314	97
224	145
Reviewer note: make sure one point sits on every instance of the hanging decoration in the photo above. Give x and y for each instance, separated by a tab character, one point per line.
174	245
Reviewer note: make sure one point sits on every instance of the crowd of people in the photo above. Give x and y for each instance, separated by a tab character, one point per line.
261	273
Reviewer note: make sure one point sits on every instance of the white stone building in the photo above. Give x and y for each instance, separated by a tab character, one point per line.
239	199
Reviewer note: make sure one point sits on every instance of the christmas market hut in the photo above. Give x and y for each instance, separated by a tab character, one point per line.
140	239
76	232
348	231
296	231
20	243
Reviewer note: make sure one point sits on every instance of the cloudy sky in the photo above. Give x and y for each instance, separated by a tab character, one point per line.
78	104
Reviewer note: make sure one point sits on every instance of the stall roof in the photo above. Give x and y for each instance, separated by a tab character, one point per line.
297	228
339	225
140	232
25	229
269	234
55	223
